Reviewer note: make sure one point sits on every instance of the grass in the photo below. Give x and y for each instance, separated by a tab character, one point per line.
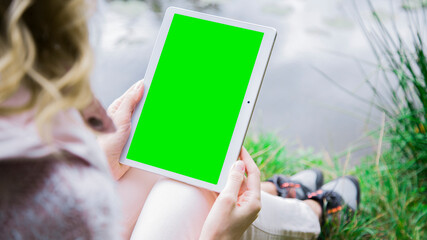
392	205
403	98
272	156
394	179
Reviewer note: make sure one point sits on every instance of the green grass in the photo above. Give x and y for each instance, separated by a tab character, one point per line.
394	179
401	59
392	205
272	156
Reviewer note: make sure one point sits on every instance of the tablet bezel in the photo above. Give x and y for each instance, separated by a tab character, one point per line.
246	110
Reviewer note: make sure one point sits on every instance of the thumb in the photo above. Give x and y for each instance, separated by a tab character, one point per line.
235	179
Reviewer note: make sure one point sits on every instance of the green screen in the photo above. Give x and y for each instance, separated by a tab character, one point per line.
195	97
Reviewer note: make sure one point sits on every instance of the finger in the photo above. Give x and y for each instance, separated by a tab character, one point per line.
254	182
131	99
235	180
116	104
244	186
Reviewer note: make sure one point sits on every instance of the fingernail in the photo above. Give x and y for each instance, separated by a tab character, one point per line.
137	86
240	166
140	84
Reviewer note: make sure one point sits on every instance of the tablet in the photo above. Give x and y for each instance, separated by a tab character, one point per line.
201	86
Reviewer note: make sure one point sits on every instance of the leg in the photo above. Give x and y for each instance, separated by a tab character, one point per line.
173	210
179	210
283	218
315	206
270	188
134	188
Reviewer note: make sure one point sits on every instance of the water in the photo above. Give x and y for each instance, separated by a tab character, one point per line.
296	101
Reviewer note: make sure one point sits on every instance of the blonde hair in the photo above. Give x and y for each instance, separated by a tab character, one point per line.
44	47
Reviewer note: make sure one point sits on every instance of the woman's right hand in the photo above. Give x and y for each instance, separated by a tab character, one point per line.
237	206
120	111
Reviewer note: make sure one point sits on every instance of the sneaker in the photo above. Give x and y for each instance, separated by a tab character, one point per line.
298	185
340	197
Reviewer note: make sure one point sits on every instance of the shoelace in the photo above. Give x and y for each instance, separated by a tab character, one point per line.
332	199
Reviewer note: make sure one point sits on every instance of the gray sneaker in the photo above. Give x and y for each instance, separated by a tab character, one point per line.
340	197
298	185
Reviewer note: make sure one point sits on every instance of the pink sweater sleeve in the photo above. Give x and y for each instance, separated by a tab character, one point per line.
53	198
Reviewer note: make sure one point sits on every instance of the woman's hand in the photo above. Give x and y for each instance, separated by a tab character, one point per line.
120	111
237	206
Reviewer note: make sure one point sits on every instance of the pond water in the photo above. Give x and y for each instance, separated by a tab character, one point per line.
296	101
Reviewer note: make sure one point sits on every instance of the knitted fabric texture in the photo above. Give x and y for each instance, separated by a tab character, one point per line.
58	191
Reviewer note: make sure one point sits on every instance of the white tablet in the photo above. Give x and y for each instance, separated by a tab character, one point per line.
201	86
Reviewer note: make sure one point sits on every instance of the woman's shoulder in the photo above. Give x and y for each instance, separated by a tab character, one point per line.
20	138
61	192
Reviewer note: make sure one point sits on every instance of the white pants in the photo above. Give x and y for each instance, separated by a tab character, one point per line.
175	210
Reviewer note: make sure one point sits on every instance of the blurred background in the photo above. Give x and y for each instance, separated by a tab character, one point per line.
345	92
320	60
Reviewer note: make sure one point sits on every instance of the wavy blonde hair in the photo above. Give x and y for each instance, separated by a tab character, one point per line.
44	47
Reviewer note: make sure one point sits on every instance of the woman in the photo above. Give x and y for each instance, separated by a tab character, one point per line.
59	181
54	177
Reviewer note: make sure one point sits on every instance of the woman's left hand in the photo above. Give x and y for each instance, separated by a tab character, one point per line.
237	206
120	111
